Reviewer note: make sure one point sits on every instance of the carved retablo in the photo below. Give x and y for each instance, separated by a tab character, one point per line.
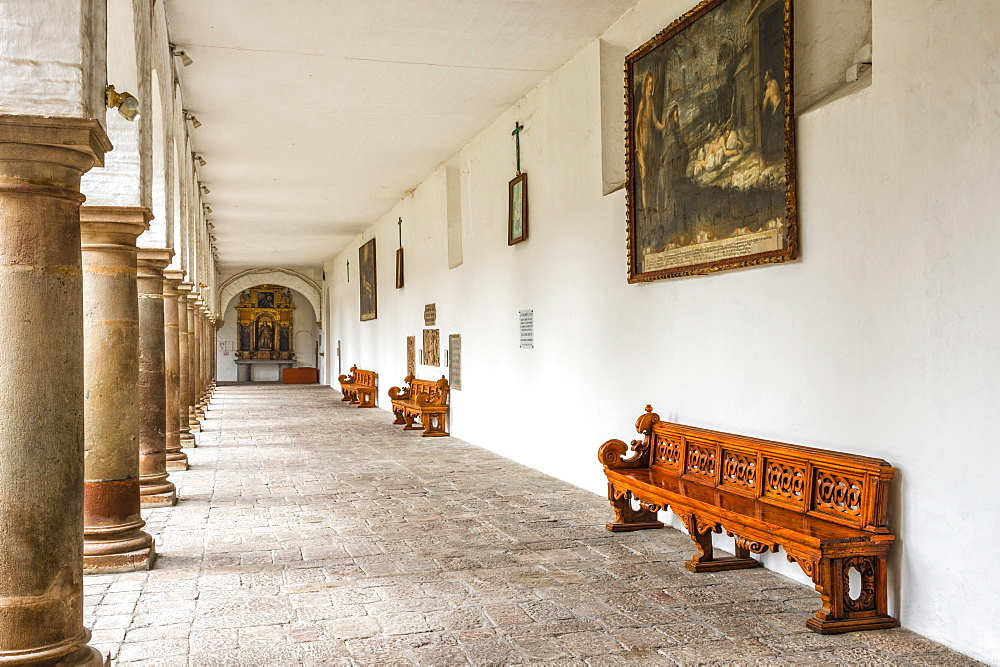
264	323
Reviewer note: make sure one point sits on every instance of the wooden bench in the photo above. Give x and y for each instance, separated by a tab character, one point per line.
826	509
426	400
360	387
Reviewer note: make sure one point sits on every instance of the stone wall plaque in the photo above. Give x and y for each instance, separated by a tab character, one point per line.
455	361
527	331
432	347
430	314
411	355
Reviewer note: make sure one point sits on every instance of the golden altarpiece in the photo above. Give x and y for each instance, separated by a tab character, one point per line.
264	323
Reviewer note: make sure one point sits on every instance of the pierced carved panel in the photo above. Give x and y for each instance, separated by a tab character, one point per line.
838	495
700	460
739	470
668	455
784	482
865	565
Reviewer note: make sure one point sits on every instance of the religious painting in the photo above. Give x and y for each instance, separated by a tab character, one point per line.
265	332
399	268
366	260
265	299
517	218
432	347
710	147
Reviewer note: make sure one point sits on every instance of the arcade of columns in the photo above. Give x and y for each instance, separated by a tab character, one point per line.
106	318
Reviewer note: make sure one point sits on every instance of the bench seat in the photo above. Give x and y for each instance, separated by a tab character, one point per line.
360	387
827	510
426	400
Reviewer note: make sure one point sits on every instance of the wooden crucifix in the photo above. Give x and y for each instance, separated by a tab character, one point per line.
399	257
517	144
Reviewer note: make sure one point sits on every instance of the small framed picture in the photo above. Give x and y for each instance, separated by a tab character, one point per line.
517	220
399	268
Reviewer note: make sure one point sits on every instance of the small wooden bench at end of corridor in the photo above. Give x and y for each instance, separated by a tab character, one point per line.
360	387
826	509
426	400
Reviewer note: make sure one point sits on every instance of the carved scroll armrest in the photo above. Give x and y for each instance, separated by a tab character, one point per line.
346	379
436	396
397	394
612	454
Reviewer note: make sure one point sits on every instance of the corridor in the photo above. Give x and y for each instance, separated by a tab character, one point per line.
308	531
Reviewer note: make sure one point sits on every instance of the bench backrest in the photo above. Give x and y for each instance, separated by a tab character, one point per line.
843	488
434	392
365	378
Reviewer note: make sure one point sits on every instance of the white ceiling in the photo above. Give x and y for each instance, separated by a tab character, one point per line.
319	115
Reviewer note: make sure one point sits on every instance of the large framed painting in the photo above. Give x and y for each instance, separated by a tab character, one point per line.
710	146
368	286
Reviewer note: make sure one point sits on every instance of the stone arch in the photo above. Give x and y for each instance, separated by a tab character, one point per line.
284	277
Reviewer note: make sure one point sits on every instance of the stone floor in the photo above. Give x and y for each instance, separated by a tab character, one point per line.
312	532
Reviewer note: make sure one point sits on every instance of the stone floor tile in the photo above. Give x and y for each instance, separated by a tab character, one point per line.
310	532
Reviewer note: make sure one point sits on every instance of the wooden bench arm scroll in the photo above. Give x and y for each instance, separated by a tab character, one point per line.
348	379
397	394
612	453
437	396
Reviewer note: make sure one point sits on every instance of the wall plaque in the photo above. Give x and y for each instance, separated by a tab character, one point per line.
455	361
430	314
411	355
527	329
432	347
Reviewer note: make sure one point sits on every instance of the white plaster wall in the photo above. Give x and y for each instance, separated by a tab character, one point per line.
303	329
881	340
52	56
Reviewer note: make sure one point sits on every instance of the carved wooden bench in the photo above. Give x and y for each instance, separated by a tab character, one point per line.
426	400
826	509
360	387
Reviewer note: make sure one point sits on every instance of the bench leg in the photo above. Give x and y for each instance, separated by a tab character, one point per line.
627	518
353	397
399	417
842	613
705	561
408	418
366	397
346	395
434	425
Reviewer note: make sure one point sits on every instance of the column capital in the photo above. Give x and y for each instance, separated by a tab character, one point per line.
155	259
82	135
103	227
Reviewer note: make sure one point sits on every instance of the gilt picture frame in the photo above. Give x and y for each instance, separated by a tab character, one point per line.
367	286
710	142
517	218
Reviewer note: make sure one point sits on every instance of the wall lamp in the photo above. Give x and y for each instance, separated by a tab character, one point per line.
126	103
208	210
205	189
190	116
199	159
211	225
182	54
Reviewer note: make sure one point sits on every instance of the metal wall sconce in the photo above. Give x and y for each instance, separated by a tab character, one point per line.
205	189
182	54
126	103
190	116
208	210
199	159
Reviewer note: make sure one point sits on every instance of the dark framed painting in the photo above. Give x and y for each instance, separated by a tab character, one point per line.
399	268
517	218
368	286
710	142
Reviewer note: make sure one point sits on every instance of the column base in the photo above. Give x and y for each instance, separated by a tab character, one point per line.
82	656
178	461
165	498
114	549
187	439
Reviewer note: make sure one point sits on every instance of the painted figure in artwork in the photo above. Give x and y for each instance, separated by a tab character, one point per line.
265	337
645	122
244	337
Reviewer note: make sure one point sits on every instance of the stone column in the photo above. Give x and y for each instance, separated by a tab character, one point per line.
113	539
155	489
41	404
192	417
184	361
176	457
199	346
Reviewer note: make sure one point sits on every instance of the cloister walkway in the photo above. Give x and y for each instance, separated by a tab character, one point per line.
309	531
